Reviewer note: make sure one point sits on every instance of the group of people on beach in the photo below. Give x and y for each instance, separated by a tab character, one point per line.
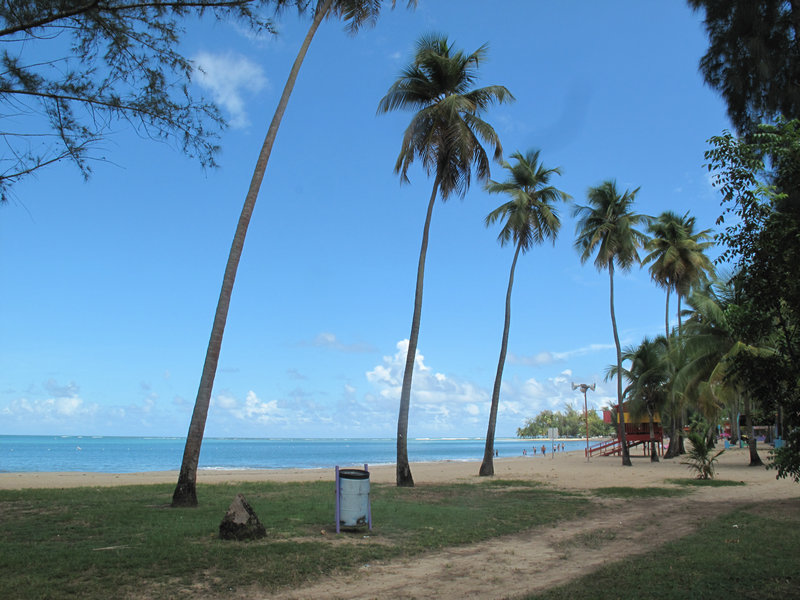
556	448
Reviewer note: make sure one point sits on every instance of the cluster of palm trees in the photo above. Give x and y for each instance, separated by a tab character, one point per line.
446	135
692	366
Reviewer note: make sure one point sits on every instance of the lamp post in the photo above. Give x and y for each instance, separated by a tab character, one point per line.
585	387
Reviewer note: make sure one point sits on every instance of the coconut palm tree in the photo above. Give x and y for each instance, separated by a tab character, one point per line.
607	227
530	219
648	377
678	256
679	263
711	347
445	134
355	13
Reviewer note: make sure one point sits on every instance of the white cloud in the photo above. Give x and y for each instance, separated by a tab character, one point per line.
64	404
252	409
229	77
439	402
548	358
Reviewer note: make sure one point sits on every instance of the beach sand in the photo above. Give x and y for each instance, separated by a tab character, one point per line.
569	470
520	564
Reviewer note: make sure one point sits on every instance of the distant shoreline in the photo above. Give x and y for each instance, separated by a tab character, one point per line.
569	470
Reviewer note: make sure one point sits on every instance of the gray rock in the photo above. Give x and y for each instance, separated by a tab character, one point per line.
241	522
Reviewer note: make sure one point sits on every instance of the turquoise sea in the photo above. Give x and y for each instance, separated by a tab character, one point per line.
98	454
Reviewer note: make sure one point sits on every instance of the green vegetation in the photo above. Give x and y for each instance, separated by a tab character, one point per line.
446	135
570	423
719	560
629	492
700	458
607	226
529	218
705	482
84	542
120	63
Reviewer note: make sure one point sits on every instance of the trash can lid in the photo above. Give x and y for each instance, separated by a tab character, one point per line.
353	474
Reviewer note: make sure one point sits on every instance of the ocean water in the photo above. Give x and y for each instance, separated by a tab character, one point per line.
141	454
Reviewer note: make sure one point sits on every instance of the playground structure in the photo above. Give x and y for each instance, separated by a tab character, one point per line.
637	433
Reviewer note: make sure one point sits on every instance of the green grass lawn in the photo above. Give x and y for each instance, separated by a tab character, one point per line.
93	543
96	542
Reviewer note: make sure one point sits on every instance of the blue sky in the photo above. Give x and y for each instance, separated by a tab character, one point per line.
109	287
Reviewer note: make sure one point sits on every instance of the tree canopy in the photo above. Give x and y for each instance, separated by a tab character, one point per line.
71	71
570	423
753	58
757	178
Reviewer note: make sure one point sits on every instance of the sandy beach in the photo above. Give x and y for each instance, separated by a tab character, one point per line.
568	470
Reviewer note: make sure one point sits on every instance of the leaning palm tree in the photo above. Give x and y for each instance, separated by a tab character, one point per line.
530	219
355	13
679	263
445	134
607	226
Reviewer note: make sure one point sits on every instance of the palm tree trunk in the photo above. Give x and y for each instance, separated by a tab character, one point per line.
755	459
186	490
666	320
404	477
487	466
672	448
681	447
653	451
626	458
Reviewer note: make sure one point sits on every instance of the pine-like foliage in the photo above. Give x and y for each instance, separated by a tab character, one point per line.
71	70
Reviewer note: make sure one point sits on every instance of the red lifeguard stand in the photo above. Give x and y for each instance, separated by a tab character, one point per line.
637	433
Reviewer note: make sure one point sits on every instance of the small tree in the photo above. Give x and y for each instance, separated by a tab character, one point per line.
699	457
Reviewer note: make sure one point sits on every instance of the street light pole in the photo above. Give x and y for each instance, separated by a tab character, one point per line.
584	387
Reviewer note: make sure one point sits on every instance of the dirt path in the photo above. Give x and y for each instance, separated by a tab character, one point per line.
536	560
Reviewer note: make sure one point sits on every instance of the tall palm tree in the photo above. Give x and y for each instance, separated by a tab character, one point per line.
445	133
607	226
355	13
530	219
648	377
678	256
679	263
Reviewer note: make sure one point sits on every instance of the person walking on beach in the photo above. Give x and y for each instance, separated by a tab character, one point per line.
544	450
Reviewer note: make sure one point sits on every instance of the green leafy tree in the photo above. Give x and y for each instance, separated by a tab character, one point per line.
355	13
759	179
122	65
570	423
529	219
607	228
753	59
446	135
